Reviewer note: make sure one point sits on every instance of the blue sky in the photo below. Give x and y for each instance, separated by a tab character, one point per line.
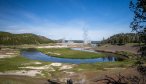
58	19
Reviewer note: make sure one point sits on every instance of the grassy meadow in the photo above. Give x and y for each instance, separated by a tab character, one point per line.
15	64
68	53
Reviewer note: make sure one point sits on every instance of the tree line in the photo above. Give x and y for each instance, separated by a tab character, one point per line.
122	38
7	38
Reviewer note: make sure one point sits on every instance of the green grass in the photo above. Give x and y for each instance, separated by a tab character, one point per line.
72	54
103	65
14	63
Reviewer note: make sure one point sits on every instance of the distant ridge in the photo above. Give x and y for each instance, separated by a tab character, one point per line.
7	38
122	38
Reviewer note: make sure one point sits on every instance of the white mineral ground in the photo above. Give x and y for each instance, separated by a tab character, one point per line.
22	72
8	53
34	70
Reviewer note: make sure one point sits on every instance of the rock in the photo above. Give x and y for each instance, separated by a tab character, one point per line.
37	63
65	67
56	64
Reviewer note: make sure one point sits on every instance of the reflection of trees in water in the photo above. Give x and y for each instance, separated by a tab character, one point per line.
119	59
112	58
108	58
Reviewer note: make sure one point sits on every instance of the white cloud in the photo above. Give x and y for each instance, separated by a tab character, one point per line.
72	29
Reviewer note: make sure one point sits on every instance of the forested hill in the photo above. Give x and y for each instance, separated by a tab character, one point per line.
7	38
122	38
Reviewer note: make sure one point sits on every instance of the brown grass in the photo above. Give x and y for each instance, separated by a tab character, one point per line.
113	48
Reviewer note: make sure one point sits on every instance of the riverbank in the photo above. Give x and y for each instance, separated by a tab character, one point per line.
129	48
60	72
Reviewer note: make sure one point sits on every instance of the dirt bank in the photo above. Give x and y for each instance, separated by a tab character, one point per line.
132	48
17	79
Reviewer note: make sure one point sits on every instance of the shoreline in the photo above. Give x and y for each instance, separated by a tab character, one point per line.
127	48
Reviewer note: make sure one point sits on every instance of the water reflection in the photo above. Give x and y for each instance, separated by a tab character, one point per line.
109	58
35	55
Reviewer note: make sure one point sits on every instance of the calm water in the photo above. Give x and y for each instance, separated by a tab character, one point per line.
35	55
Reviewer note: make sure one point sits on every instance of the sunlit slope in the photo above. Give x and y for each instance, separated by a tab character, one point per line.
7	38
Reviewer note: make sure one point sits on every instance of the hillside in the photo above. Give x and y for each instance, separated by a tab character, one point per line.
7	38
129	47
121	39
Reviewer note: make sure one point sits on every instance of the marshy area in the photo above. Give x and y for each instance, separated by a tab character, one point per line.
59	64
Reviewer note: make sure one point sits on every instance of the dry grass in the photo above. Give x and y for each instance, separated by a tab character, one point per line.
15	79
133	48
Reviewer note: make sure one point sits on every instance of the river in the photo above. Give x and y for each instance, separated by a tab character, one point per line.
36	55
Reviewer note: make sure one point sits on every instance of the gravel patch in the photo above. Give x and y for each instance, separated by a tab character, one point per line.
56	64
22	72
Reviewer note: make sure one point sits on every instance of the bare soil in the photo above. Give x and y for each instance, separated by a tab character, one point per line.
113	48
16	79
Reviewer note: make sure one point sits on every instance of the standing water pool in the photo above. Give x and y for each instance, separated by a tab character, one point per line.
36	55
